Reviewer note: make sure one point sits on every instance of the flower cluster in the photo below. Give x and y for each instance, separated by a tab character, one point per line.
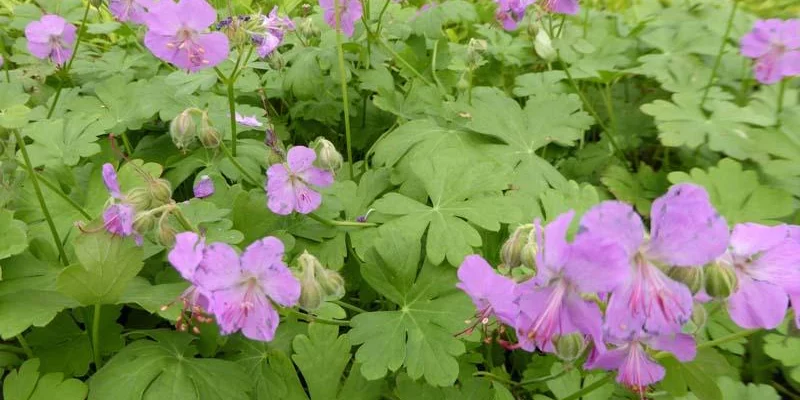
238	290
775	45
511	12
645	282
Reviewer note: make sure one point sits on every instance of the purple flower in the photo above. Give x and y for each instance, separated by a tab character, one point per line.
274	28
491	292
118	216
767	266
561	6
51	37
635	368
775	45
686	231
175	34
248	121
510	12
550	305
204	187
350	13
288	183
129	10
110	180
241	287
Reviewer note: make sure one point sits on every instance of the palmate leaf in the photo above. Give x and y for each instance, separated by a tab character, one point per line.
27	384
639	188
166	369
13	112
63	141
13	233
459	194
737	194
420	335
116	104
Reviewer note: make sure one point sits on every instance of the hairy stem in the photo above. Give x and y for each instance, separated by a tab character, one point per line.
25	347
98	360
312	318
718	60
781	95
40	197
349	306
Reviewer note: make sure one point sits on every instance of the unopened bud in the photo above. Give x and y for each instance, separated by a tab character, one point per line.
698	319
462	84
183	129
511	251
692	277
721	280
332	284
207	134
139	198
329	158
276	61
570	347
166	234
308	29
94	3
528	255
544	47
475	50
161	191
311	292
143	222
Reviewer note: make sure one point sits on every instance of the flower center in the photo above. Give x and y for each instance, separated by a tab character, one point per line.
549	321
186	40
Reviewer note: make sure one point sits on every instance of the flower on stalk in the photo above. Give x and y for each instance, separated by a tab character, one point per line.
767	264
176	34
511	12
491	292
204	187
288	183
550	304
129	10
118	217
636	369
775	45
570	7
686	232
51	37
273	28
350	11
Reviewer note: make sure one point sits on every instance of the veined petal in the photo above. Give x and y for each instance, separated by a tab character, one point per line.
639	370
300	157
681	345
219	269
111	181
280	193
554	252
306	200
196	14
261	322
757	304
215	47
187	254
613	221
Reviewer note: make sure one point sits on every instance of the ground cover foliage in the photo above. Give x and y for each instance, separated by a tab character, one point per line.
378	199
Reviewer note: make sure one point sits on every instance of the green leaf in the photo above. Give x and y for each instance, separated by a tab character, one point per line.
15	240
566	384
461	196
63	140
13	112
166	369
737	193
106	264
206	216
699	375
153	297
19	310
27	384
735	390
322	357
420	334
117	105
186	83
356	387
639	188
570	197
429	23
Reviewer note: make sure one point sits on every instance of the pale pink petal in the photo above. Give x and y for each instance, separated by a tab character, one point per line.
39	50
757	304
316	176
307	200
681	345
790	64
186	254
614	221
261	322
219	269
280	193
215	50
749	238
196	14
789	33
300	157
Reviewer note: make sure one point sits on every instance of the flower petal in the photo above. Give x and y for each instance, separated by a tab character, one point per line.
187	254
554	252
261	322
280	193
749	238
615	221
316	176
215	47
757	304
219	269
300	157
681	345
196	14
111	181
306	199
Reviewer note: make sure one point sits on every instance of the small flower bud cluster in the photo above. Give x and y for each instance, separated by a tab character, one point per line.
318	284
185	130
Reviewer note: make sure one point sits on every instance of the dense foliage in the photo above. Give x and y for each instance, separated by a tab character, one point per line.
365	199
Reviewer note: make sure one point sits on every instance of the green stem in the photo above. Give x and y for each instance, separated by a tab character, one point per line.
232	111
781	93
98	361
69	200
185	223
725	339
25	347
380	17
330	222
236	163
494	377
404	62
349	306
588	389
433	67
127	143
343	82
313	318
40	197
13	349
718	60
71	59
545	378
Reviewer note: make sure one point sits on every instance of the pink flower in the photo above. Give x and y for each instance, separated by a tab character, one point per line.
247	121
491	292
175	34
129	10
350	13
510	12
51	37
274	27
204	187
775	45
118	216
288	183
561	6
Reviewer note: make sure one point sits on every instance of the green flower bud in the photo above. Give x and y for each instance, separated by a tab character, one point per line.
329	158
166	234
207	134
308	29
311	292
721	280
276	61
140	198
183	129
96	3
528	254
462	84
161	191
332	284
511	251
475	50
689	276
570	347
544	47
143	222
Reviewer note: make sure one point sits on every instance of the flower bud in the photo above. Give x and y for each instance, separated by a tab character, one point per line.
544	47
94	3
689	276
182	129
721	280
332	284
207	134
166	234
139	198
570	347
329	158
462	84
143	222
161	191
308	29
511	251
475	50
276	61
311	292
528	255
